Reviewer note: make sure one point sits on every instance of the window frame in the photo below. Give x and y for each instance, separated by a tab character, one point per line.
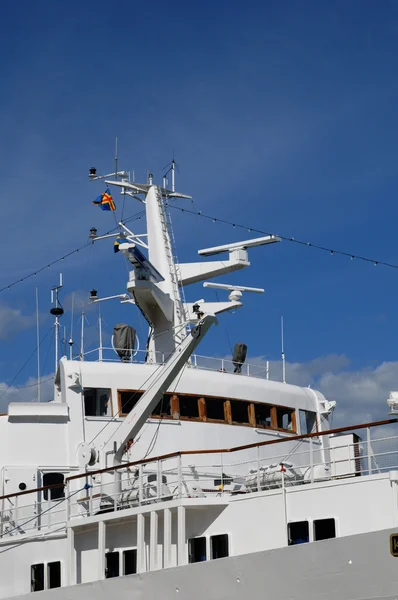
119	400
122	565
110	415
54	562
201	400
314	412
46	575
243	423
210	545
275	419
50	487
43	565
109	552
324	519
206	543
309	528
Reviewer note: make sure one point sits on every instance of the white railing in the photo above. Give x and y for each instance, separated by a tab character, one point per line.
219	474
209	363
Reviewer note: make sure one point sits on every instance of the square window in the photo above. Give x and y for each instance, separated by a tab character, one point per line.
298	533
128	399
163	409
262	414
240	411
57	480
197	550
307	421
189	407
215	409
284	418
324	529
97	402
219	546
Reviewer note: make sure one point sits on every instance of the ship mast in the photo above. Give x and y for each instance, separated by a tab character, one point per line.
157	280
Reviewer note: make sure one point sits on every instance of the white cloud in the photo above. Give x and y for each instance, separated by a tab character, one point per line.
361	394
27	392
12	322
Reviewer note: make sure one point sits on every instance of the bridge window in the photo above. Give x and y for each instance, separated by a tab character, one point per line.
97	402
219	546
197	550
215	409
163	409
298	533
225	410
240	411
189	407
307	422
54	574
127	400
262	414
129	562
111	565
37	578
324	529
57	480
285	418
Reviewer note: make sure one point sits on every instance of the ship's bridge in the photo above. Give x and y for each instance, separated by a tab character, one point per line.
208	405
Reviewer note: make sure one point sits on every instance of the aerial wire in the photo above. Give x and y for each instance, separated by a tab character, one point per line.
331	251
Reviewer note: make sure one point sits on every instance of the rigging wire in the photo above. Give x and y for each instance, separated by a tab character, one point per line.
34	518
154	439
136	216
25	363
48	351
120	411
288	239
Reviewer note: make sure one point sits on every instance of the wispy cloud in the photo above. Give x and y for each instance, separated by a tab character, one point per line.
12	322
361	394
27	392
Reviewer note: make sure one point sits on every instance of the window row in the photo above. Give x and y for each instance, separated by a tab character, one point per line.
218	548
120	563
97	402
42	578
222	410
299	531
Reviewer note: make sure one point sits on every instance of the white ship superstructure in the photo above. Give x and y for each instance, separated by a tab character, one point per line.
160	472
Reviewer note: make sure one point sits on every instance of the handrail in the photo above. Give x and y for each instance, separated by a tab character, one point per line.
235	448
209	451
40	489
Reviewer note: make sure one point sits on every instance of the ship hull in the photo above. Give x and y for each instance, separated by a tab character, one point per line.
356	567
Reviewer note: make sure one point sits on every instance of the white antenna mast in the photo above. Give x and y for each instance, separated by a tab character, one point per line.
57	312
100	332
38	345
283	353
173	166
116	159
71	328
82	338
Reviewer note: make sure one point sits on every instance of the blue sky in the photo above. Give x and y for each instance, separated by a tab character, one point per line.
282	116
